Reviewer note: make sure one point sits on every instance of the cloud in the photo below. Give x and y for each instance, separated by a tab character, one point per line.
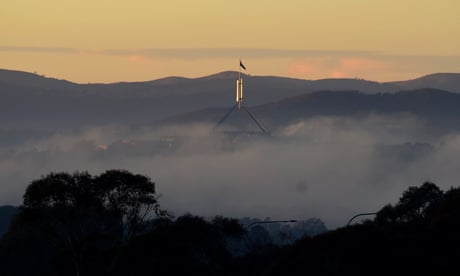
363	64
339	66
192	52
365	57
139	59
227	52
193	62
56	50
306	67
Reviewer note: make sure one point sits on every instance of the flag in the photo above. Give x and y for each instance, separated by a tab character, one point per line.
242	65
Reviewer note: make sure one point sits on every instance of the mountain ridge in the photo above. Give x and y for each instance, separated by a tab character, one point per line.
33	101
442	77
437	108
444	81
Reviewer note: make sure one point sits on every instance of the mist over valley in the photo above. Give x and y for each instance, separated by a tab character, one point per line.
338	147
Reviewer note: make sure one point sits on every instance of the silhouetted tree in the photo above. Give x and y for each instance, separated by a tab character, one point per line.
416	236
447	216
258	238
387	214
228	226
80	219
415	205
61	190
126	196
130	196
188	245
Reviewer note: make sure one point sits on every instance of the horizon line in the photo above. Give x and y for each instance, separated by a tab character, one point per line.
221	73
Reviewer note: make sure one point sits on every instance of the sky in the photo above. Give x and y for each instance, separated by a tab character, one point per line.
120	40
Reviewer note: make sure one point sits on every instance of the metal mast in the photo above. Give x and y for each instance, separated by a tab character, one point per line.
239	104
239	88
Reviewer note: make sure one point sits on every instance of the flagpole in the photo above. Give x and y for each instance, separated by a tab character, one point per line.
239	87
239	70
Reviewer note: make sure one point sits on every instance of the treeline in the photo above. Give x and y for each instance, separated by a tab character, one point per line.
419	235
112	224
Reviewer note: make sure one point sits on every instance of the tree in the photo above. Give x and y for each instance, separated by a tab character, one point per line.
78	220
125	196
188	245
229	227
415	205
56	190
129	196
447	216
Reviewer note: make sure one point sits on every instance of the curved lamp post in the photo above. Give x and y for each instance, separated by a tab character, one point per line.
360	215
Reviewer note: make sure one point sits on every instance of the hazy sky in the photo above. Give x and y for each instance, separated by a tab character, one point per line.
106	41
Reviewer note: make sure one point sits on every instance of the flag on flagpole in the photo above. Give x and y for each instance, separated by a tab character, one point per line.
242	65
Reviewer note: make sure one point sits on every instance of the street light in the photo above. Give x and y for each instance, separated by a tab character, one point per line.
359	215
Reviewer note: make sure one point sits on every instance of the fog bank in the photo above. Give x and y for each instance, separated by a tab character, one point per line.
330	168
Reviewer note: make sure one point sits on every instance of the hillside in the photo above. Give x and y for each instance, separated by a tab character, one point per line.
32	101
436	107
443	81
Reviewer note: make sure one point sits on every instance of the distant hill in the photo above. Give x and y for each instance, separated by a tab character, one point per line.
30	80
31	101
443	81
435	107
429	104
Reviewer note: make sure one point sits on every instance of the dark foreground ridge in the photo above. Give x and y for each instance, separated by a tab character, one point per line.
112	224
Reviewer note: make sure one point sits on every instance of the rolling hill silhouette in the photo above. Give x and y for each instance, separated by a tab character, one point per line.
32	101
442	81
437	108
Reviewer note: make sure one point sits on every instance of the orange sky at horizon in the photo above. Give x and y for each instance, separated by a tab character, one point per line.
109	41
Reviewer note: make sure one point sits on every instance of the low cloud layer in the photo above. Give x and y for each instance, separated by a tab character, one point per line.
191	52
153	63
330	168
